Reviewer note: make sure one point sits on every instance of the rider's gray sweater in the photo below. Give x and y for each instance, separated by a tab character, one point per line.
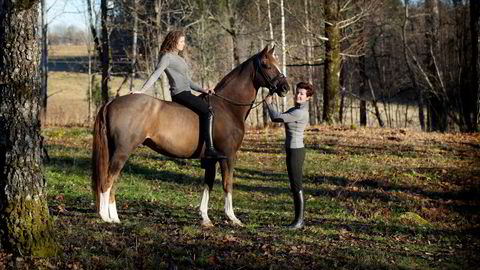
295	119
177	72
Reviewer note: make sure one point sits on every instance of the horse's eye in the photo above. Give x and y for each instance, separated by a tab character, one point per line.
265	65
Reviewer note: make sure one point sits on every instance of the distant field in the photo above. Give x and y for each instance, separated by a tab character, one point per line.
67	102
55	51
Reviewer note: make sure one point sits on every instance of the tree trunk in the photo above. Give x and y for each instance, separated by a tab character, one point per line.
25	224
134	44
474	17
284	51
410	70
374	103
343	90
105	51
362	92
332	62
469	88
437	100
309	70
44	65
272	43
262	110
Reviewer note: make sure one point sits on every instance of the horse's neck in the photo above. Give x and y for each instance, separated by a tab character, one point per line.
240	86
241	89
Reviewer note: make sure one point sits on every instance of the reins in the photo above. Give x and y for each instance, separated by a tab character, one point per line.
253	103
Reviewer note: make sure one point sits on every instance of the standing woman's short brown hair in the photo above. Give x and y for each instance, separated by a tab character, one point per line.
170	41
307	86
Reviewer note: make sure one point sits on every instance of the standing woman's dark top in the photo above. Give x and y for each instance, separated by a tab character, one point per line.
173	64
295	119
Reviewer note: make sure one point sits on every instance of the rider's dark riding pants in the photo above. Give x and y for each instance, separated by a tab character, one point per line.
195	103
295	158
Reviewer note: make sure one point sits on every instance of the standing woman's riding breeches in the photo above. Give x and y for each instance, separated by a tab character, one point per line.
295	160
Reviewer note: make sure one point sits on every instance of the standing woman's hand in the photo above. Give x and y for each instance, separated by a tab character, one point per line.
268	99
209	91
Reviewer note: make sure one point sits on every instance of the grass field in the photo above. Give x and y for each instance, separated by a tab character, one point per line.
68	92
375	199
68	106
55	51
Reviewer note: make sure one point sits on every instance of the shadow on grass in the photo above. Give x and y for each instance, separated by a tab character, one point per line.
158	235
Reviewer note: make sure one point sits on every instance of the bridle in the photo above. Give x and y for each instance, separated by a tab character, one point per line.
272	85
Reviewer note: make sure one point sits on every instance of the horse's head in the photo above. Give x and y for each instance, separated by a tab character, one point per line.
271	76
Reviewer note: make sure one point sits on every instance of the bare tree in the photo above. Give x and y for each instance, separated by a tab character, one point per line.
339	16
436	96
469	93
105	53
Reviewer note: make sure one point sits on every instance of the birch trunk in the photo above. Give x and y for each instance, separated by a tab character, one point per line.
284	52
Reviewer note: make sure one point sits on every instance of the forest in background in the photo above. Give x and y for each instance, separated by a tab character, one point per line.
386	63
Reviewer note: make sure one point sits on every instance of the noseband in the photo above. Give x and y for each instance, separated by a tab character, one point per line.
272	83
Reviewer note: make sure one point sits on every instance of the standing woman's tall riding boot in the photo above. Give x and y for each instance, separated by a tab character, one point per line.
298	203
210	151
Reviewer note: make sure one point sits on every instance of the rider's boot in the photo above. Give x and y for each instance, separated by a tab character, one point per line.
210	151
298	203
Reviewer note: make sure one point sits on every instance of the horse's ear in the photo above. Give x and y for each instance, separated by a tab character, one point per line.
264	50
272	50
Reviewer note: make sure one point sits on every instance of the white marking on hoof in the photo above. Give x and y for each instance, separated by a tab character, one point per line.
229	210
206	222
112	210
237	222
103	206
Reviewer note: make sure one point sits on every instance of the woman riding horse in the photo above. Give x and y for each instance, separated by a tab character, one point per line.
174	130
174	65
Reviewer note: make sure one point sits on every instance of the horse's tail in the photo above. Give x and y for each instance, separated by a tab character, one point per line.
100	155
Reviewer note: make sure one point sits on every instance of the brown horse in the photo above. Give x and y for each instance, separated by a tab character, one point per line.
173	130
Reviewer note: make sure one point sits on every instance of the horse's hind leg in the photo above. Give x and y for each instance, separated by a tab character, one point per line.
227	176
108	207
210	171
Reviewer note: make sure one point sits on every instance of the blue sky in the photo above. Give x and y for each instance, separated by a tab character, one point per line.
66	13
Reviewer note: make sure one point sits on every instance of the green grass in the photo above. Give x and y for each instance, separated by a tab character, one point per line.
371	202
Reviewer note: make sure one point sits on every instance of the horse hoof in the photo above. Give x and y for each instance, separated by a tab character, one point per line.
115	220
105	218
207	224
237	223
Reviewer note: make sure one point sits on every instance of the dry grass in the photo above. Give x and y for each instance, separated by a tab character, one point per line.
67	102
56	51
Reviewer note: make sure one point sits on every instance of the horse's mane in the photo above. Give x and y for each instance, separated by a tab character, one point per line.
238	69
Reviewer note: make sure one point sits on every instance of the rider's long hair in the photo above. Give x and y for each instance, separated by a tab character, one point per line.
170	42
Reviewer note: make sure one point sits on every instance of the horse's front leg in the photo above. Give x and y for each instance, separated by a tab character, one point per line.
227	176
210	171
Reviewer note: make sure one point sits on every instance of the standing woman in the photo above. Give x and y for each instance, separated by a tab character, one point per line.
174	65
295	120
